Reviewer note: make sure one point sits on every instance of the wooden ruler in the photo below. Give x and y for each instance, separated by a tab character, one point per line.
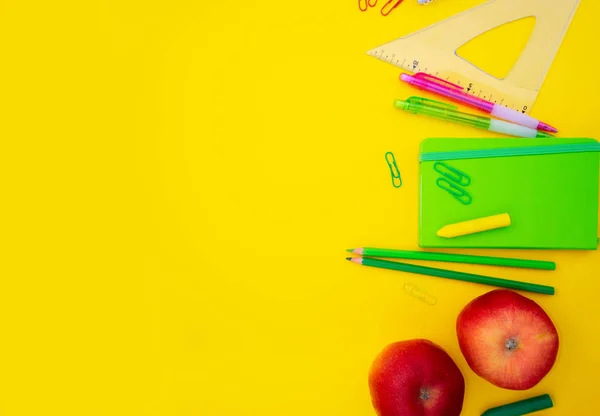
433	49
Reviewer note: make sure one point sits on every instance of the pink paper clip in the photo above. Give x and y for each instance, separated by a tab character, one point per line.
388	7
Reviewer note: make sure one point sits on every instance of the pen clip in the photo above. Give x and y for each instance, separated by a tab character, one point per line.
431	103
426	77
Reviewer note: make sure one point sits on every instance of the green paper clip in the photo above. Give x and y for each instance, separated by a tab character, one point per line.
396	178
457	192
451	173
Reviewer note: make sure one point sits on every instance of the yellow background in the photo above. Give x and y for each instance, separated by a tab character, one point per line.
180	180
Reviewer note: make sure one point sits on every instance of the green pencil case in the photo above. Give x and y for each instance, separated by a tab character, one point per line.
549	187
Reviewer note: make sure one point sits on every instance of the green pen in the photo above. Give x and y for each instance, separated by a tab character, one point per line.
437	109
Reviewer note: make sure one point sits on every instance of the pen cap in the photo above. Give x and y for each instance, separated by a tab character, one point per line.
421	105
405	77
402	105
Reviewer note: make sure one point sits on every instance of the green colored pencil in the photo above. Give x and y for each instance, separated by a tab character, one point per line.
450	274
454	258
522	407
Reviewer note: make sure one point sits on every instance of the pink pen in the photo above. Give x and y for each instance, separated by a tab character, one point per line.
456	92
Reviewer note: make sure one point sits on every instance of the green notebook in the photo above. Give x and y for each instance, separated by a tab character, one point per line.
549	187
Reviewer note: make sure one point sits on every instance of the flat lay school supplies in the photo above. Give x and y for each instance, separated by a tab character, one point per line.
534	191
522	407
453	258
548	186
450	274
394	171
433	49
448	112
456	93
474	226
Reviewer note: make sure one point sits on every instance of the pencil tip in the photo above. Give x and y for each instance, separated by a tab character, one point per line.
349	258
547	127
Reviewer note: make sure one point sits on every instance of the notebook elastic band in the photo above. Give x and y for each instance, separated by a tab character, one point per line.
510	151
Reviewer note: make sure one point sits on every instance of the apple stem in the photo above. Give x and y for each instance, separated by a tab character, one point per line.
511	344
424	394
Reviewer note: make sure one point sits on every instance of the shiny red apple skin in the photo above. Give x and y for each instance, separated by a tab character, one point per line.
416	378
507	339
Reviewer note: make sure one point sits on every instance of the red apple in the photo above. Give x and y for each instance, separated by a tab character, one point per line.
416	378
507	339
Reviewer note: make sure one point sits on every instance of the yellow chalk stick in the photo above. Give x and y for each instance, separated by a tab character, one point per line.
474	226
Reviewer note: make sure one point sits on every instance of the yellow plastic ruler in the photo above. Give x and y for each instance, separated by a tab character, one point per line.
433	49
